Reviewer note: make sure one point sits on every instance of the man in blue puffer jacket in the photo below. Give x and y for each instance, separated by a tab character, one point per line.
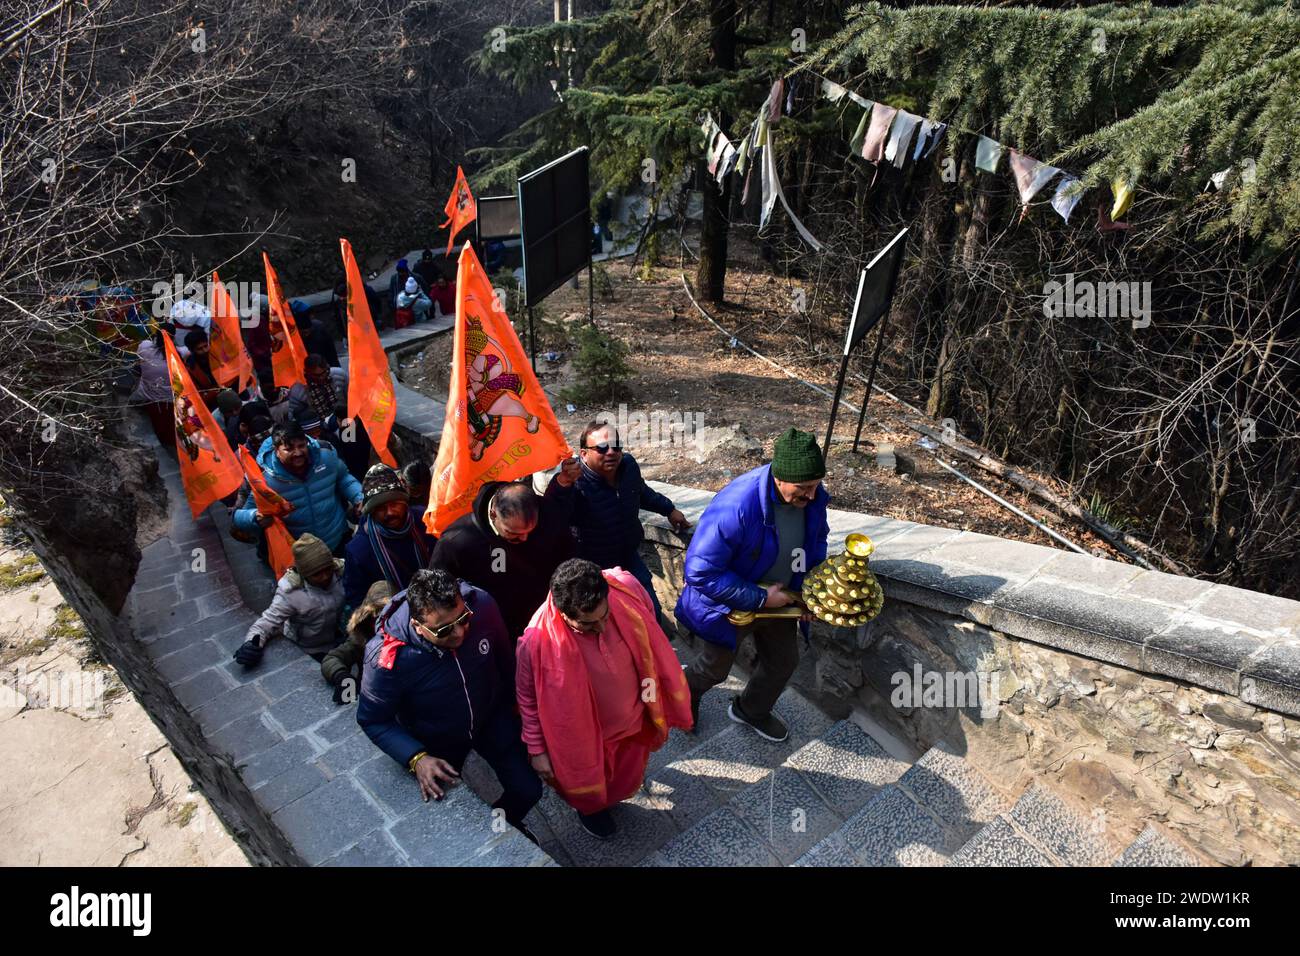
755	540
313	480
438	681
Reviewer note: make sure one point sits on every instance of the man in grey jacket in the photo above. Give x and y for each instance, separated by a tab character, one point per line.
307	605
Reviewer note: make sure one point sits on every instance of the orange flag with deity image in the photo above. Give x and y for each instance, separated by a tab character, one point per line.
288	355
371	398
499	425
461	208
279	542
231	364
209	469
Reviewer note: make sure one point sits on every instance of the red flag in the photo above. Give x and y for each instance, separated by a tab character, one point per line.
287	352
461	209
279	542
371	398
227	355
209	469
499	425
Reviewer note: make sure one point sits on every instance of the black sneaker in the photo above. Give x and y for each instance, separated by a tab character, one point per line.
600	825
522	828
769	727
694	729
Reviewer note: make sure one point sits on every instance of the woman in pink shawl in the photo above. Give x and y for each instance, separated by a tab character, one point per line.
599	687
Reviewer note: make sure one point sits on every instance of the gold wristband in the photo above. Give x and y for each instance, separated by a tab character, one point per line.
416	759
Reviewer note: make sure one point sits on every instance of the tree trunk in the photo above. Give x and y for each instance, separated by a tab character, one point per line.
711	275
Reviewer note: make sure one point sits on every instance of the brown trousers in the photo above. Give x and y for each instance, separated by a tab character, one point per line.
777	646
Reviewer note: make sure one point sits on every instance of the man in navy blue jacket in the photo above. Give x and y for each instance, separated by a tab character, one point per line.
606	502
755	540
438	682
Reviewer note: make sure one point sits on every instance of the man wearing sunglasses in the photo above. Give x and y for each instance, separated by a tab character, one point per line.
606	502
438	682
756	539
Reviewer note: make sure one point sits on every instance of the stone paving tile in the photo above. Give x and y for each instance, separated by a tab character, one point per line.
642	829
245	738
350	753
290	753
391	785
846	767
830	852
804	718
733	760
185	663
300	672
510	848
327	820
720	839
685	798
1152	848
303	708
892	830
374	849
202	688
954	792
444	833
786	812
287	787
234	703
1063	832
998	844
342	723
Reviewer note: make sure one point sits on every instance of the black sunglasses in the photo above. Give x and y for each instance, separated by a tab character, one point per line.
603	448
438	632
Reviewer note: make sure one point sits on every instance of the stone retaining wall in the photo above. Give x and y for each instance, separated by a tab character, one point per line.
1152	697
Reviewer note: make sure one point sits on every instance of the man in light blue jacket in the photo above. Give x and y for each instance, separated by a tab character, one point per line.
755	540
312	479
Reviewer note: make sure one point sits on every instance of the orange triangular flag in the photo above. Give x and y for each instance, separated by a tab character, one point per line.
499	425
461	209
288	354
279	542
371	399
209	469
228	356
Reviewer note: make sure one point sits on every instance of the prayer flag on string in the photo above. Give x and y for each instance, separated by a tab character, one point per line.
1067	196
988	153
1031	175
833	91
772	191
1123	190
873	146
855	144
928	138
900	137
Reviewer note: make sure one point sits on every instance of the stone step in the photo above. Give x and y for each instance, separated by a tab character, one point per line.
787	809
1153	848
1069	836
936	806
1000	844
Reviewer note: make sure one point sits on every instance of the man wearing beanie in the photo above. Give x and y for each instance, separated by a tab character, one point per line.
391	543
755	540
307	605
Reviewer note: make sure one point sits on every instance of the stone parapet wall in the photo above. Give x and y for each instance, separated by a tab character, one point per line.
1150	696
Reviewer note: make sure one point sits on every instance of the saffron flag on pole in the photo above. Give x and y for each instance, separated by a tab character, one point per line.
371	398
461	209
228	356
288	355
209	469
499	425
279	543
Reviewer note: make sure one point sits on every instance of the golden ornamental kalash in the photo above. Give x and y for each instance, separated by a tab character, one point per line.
840	591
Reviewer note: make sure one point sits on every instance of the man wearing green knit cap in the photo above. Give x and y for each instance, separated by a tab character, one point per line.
755	540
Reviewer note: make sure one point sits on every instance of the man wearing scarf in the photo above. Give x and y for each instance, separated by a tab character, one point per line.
391	543
599	687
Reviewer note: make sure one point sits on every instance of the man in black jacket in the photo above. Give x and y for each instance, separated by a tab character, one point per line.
605	505
510	544
438	682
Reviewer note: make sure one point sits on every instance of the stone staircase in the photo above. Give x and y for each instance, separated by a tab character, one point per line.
830	795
